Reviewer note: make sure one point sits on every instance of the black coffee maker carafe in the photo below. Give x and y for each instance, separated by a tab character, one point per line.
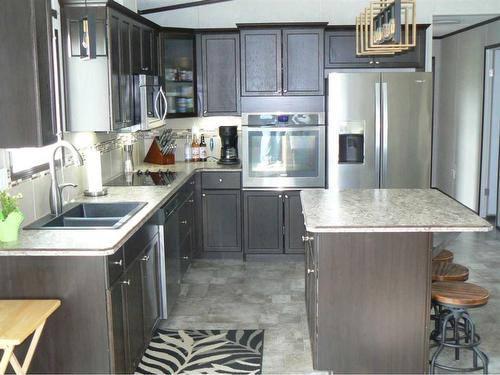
229	145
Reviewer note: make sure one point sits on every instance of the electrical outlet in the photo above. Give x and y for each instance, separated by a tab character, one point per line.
4	179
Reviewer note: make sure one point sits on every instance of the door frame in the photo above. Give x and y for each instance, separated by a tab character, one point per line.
486	129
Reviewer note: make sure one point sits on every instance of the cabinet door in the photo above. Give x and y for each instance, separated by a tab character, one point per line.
294	223
125	73
311	278
221	220
303	72
263	221
147	49
116	318
221	74
150	288
413	58
172	259
136	48
114	33
135	318
27	94
154	54
261	62
340	47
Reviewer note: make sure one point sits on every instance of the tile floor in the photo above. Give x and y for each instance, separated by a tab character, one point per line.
231	294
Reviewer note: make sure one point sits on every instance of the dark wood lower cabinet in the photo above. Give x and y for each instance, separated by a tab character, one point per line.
368	300
263	222
221	220
273	222
103	322
294	223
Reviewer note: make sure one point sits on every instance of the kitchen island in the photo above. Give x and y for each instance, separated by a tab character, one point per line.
368	275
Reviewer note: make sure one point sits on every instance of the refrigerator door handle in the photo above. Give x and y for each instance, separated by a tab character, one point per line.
378	105
385	137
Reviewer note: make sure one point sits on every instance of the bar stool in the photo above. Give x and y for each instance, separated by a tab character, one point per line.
444	255
18	320
442	271
455	298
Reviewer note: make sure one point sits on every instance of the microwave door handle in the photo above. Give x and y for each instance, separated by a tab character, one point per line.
164	97
156	104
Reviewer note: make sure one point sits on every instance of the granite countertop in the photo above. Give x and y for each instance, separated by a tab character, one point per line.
387	210
102	242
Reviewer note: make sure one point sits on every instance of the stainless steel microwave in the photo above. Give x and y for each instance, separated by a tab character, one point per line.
149	103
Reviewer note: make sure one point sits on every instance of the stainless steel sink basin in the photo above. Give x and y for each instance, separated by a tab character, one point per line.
90	216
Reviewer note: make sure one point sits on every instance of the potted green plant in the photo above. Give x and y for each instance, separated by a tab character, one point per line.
10	217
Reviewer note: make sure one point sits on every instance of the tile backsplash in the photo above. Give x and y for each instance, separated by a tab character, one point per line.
35	190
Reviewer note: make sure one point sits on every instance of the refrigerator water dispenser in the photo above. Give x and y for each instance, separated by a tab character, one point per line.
352	142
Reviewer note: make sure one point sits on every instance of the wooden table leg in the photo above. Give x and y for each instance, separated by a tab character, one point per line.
9	356
4	362
32	348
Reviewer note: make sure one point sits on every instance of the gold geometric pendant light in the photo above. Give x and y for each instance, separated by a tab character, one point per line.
386	27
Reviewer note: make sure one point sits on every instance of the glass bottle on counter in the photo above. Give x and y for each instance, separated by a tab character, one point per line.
195	149
203	149
187	150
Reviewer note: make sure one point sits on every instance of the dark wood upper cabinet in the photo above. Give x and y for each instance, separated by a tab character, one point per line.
278	61
261	62
28	96
220	54
147	51
340	52
136	51
303	51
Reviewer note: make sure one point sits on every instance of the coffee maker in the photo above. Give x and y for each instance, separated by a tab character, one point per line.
229	145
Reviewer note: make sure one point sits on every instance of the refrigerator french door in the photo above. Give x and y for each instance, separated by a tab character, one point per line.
379	130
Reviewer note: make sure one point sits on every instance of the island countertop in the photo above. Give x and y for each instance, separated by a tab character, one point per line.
102	242
387	210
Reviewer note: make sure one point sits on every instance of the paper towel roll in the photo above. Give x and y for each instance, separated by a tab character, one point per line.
94	174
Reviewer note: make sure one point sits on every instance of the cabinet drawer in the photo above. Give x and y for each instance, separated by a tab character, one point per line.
221	180
115	266
134	246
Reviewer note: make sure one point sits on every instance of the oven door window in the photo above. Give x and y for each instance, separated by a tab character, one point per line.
283	152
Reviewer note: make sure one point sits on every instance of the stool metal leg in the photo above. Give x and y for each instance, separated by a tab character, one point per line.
4	362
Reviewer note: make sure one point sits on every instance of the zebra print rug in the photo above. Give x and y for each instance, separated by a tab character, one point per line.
174	351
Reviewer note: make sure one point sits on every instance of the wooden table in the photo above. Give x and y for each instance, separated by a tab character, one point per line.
18	320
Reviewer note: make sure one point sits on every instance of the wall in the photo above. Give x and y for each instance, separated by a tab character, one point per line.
459	105
337	12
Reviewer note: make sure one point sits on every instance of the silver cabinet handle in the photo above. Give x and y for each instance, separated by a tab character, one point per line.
307	239
204	112
184	222
185	258
118	263
377	62
220	179
286	196
203	195
279	91
125	282
285	90
190	200
192	182
279	196
145	258
310	271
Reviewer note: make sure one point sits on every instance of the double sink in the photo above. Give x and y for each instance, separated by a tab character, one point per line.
90	216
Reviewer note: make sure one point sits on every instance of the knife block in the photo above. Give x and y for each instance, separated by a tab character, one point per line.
155	156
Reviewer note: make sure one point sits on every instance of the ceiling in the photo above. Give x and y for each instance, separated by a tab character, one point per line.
147	4
443	25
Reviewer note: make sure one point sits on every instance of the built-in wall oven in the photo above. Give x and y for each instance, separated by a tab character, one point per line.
285	150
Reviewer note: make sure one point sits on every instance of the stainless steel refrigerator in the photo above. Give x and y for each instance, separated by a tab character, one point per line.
379	130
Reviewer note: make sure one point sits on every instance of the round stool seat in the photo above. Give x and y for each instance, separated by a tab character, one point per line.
444	256
458	294
442	271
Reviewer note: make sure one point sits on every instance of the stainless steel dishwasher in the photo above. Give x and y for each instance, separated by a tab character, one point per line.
170	258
